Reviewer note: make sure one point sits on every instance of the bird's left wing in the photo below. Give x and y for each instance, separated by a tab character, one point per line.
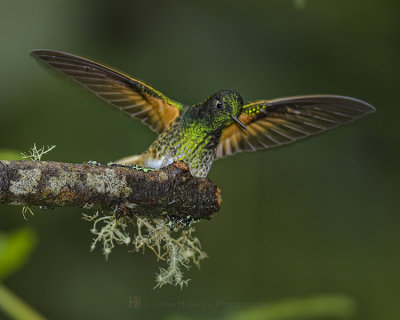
272	123
129	95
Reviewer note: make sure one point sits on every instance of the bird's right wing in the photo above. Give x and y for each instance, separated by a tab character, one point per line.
129	95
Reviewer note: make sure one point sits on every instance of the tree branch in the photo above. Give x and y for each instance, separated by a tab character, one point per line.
124	190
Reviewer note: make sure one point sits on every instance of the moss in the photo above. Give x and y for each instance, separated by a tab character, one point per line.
94	162
140	168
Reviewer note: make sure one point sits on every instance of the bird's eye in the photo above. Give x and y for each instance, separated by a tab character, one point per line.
219	105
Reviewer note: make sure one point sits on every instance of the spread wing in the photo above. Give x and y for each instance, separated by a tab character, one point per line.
129	95
272	123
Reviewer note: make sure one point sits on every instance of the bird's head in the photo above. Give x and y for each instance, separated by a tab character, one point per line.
223	108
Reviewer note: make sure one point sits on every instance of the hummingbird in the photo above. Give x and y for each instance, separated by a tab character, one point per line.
221	125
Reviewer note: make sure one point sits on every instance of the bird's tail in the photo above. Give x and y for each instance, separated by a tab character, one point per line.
135	159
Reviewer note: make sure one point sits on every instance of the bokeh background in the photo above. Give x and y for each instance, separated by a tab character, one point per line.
320	216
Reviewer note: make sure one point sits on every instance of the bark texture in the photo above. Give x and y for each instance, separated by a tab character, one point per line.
169	191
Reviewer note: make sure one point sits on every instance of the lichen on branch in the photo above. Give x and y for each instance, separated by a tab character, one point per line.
124	190
172	243
161	205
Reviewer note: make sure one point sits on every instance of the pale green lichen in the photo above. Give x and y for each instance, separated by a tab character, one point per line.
109	231
16	203
28	182
175	246
25	210
36	154
29	178
94	162
108	182
65	179
177	252
88	205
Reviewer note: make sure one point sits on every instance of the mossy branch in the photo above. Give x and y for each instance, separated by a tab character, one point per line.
120	189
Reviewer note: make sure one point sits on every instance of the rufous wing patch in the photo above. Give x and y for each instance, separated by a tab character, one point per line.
129	95
272	123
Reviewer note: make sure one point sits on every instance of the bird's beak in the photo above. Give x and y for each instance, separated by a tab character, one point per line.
234	118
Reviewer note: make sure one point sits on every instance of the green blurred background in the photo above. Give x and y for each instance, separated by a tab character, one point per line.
320	216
